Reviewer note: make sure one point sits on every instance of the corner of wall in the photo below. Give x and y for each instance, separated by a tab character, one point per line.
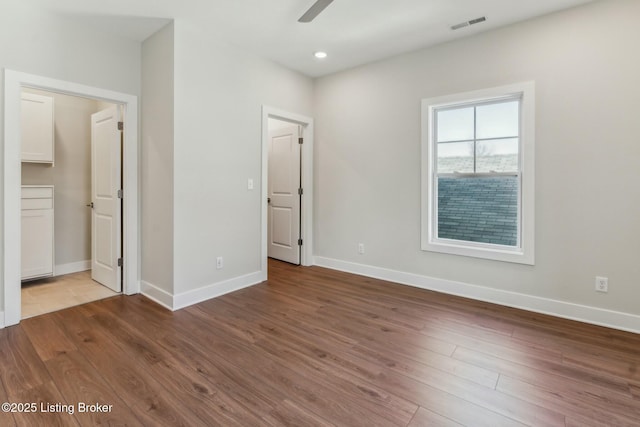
175	302
157	176
157	294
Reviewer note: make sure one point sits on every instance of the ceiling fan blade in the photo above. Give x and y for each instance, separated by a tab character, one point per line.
314	10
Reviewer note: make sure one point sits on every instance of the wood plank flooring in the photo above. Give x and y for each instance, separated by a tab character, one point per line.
315	347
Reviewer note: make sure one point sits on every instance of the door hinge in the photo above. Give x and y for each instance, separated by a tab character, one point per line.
120	194
119	262
120	125
300	191
300	140
299	242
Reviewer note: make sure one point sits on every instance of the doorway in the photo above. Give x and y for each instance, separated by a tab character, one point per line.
284	191
14	82
70	147
292	126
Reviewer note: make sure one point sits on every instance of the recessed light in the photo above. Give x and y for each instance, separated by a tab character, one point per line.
320	55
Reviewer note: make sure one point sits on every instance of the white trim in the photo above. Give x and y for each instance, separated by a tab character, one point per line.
525	253
307	183
72	267
156	294
566	310
2	319
204	293
186	299
13	83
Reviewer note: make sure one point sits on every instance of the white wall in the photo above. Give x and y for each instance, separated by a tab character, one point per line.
37	42
71	177
587	196
219	93
367	181
157	160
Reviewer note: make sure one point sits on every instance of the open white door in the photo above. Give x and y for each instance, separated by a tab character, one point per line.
283	218
105	184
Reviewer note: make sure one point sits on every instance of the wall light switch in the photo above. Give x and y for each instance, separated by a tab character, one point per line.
250	184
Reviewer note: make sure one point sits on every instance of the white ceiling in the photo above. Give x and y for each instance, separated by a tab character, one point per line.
352	32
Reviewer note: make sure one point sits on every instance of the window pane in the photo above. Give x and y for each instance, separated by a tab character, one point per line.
499	155
455	157
483	210
498	120
454	125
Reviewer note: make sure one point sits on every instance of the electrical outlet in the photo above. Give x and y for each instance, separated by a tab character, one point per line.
219	263
361	248
602	284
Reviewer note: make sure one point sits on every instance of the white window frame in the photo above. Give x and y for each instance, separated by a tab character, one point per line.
523	252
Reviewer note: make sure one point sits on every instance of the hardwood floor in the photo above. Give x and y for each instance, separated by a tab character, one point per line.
56	293
315	347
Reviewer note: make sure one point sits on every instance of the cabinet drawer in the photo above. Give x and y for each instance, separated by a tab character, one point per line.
29	204
37	192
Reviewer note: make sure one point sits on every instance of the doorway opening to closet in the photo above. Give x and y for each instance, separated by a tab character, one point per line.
71	176
121	166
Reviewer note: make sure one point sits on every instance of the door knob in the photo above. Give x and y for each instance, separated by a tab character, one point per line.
268	200
90	205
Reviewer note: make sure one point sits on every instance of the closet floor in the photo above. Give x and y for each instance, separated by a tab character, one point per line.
56	293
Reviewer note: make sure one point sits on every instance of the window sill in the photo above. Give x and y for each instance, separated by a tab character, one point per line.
496	253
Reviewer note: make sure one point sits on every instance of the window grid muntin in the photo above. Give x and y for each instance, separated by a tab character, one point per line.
475	140
434	226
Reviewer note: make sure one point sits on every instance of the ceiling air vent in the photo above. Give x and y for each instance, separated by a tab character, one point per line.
467	23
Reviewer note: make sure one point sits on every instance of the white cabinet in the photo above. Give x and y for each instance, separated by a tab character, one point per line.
37	231
37	128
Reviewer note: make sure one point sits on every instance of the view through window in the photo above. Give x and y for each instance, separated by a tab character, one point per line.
477	170
478	173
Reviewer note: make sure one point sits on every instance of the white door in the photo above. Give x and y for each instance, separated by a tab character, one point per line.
105	183
283	219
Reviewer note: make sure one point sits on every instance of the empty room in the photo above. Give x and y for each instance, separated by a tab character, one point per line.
322	212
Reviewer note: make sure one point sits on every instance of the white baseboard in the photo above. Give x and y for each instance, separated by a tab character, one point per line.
156	294
72	267
185	299
2	319
582	313
195	296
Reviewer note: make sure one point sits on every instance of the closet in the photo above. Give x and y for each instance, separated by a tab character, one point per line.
64	152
